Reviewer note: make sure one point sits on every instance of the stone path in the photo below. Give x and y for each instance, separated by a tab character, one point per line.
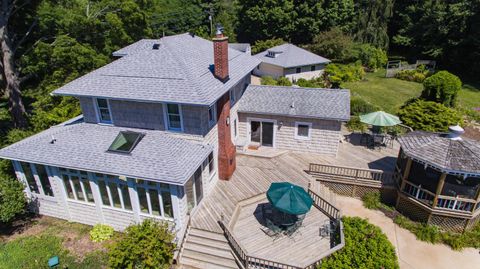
412	253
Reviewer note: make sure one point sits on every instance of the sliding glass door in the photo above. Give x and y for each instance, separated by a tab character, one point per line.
262	132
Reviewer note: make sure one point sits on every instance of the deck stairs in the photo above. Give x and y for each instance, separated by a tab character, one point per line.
206	250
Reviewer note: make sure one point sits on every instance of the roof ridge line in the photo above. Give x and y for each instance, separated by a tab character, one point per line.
293	87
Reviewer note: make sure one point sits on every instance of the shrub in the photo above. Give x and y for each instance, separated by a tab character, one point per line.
354	124
281	81
370	56
12	199
333	44
417	75
359	106
335	74
311	83
262	45
366	246
428	116
101	232
442	87
145	245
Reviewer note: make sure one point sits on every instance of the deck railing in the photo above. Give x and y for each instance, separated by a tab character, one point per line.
337	240
355	174
324	206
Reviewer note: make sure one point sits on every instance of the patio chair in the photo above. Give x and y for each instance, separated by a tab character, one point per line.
326	229
389	140
378	141
272	230
294	229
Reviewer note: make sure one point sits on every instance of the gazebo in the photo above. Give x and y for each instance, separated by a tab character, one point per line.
440	179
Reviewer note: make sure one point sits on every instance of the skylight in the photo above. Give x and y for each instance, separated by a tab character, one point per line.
125	142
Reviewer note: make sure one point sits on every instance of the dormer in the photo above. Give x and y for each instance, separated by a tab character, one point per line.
273	54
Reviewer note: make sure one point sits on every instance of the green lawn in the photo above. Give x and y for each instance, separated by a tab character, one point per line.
48	237
391	93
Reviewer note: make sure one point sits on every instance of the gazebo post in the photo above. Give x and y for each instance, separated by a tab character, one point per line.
406	173
441	182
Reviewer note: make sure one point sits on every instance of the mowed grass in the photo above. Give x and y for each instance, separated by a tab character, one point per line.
391	93
49	237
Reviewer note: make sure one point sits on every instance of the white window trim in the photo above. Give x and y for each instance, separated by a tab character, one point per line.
166	120
79	175
117	181
97	112
159	190
235	128
249	129
309	124
214	108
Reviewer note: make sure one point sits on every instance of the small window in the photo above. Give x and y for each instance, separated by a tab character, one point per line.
114	191
77	186
235	131
174	118
43	176
103	111
312	68
125	142
232	97
211	163
302	130
298	70
212	117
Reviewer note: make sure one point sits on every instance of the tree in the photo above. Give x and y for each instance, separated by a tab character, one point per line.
372	22
442	87
262	45
366	246
12	199
332	44
145	245
9	45
428	116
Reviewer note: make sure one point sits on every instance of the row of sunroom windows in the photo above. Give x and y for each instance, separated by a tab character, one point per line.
154	198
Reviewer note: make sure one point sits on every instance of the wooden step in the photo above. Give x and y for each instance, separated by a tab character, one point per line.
206	261
209	243
224	253
208	235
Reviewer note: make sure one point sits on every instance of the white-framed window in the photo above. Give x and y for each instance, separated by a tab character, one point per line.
303	130
35	174
211	163
212	114
174	117
77	185
194	189
154	198
103	110
113	191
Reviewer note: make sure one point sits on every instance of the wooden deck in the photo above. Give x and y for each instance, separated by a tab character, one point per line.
287	250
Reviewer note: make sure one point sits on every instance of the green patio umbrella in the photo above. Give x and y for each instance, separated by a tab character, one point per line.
380	118
289	198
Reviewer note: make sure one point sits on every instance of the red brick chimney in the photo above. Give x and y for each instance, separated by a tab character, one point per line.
220	55
226	149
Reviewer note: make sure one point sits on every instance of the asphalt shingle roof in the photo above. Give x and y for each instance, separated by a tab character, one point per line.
83	146
442	152
289	55
180	71
297	102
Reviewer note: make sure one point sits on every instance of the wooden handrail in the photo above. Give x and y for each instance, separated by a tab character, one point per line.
323	205
354	173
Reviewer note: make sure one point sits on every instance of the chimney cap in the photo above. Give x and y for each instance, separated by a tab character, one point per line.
219	29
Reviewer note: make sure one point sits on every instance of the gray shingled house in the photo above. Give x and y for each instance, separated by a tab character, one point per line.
157	132
290	61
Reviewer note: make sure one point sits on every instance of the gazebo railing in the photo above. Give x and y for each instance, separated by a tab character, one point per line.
454	203
417	192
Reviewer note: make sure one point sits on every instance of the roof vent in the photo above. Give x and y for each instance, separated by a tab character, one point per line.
292	105
156	46
53	140
455	132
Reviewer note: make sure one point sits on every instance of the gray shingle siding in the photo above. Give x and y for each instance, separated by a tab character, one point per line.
137	114
88	109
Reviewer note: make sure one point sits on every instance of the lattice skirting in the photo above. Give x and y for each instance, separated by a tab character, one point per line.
388	194
473	222
448	223
412	210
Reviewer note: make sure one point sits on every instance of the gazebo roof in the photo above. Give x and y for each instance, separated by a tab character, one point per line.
439	150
